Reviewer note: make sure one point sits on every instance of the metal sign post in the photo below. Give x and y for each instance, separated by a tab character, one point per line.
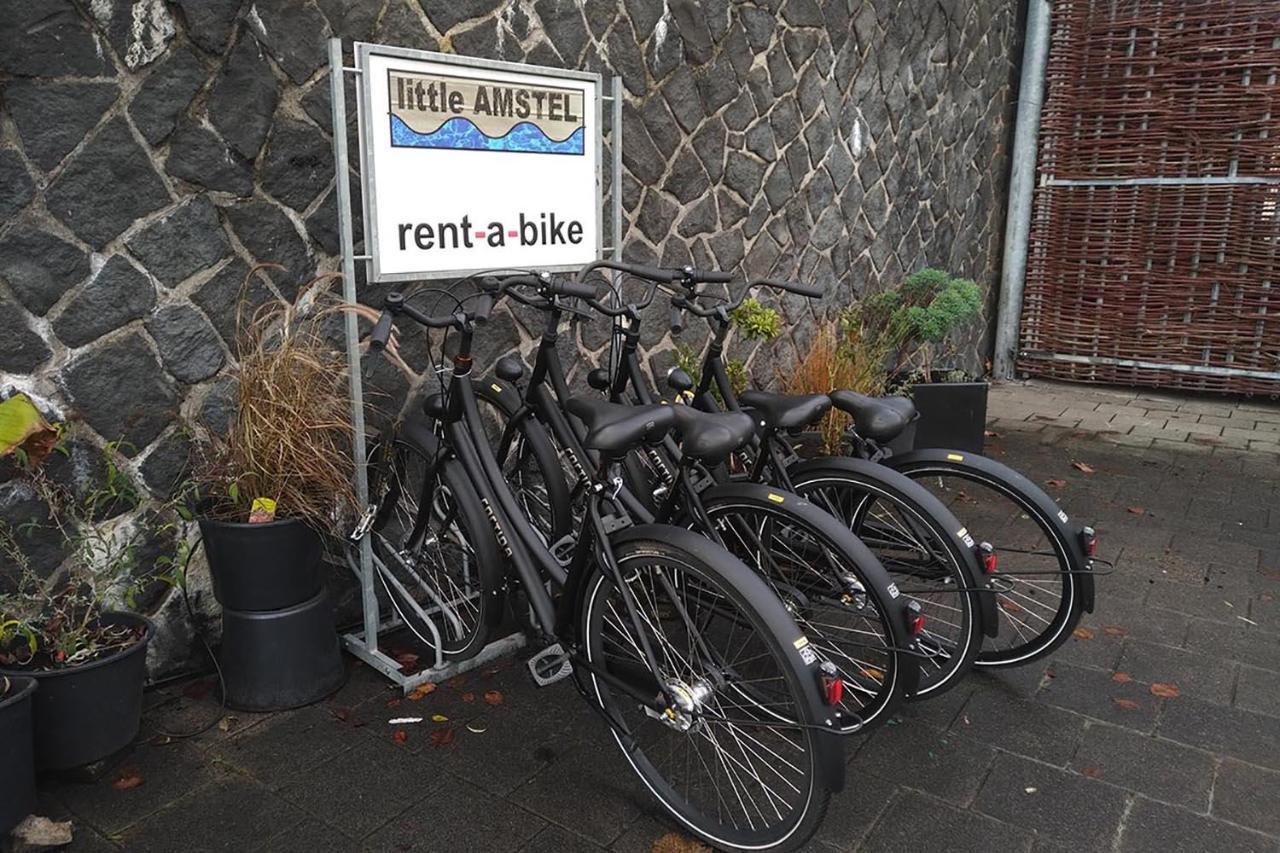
457	78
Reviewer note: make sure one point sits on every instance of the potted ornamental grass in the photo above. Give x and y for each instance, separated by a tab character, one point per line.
72	630
270	491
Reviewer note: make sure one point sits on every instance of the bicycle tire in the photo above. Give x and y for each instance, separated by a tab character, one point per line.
808	759
1029	499
957	595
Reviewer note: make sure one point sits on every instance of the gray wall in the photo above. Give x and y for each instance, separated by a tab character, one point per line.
153	151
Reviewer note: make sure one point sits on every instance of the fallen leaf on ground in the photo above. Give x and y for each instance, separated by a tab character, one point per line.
224	725
1137	510
1126	704
1091	772
37	833
420	691
1165	690
1057	484
1114	631
674	842
393	703
492	697
468	697
1121	677
1084	467
1083	633
441	737
439	718
400	736
127	779
456	682
407	660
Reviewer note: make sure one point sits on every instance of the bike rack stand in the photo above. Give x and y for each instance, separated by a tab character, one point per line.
364	643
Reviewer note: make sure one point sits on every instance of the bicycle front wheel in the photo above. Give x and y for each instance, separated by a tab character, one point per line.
743	762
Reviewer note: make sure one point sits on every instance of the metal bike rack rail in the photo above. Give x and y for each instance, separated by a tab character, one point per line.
364	643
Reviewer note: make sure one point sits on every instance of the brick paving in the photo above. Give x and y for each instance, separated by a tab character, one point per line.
1075	752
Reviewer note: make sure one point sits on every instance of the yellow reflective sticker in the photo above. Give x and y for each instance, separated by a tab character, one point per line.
801	643
955	457
960	534
496	387
777	498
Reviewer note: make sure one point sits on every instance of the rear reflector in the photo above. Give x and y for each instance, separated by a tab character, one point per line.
832	684
915	619
1089	541
990	561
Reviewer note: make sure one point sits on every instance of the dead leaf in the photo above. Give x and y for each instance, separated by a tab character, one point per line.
400	736
1126	704
393	703
439	718
38	833
674	842
1137	510
407	660
468	697
224	725
127	779
1083	633
1084	467
492	697
1165	690
1057	484
1114	631
1091	772
1121	677
456	682
441	737
421	690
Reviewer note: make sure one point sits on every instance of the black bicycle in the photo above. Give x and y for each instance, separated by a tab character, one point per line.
829	581
716	698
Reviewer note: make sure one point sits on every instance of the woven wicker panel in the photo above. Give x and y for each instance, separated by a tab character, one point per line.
1159	273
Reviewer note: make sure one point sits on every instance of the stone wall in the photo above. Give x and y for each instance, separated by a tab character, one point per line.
153	151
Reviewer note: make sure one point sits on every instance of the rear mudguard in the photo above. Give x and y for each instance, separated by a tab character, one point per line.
1004	479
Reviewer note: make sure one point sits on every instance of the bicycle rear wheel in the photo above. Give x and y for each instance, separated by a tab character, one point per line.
437	559
729	763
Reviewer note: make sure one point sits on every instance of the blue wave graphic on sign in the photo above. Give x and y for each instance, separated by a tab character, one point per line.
459	134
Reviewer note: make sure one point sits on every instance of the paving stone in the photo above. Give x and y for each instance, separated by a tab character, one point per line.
52	118
358	790
286	746
39	267
1247	795
554	840
1121	757
589	790
1157	828
197	155
946	828
1239	641
229	814
112	158
309	836
119	388
186	241
448	820
1099	694
1051	802
243	98
188	345
166	94
943	763
294	33
1195	675
115	295
1027	728
1241	734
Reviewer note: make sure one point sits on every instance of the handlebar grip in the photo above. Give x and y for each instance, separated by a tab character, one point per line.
381	332
572	288
677	320
484	305
810	290
706	276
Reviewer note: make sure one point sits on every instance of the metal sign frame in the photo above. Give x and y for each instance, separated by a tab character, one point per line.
365	52
364	643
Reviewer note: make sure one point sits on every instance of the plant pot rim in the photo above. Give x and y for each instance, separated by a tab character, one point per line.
947	382
257	525
140	645
25	685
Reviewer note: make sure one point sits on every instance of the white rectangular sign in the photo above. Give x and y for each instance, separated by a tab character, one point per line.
471	165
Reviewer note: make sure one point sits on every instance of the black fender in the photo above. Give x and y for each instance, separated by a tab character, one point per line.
829	745
897	484
1004	479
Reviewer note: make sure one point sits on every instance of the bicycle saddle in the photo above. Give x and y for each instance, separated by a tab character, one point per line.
711	436
785	411
617	427
877	418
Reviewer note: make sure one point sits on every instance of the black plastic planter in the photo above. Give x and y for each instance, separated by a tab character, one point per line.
280	659
85	713
17	763
261	567
953	415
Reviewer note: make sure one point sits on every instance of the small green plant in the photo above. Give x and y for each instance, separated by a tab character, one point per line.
691	363
917	318
757	322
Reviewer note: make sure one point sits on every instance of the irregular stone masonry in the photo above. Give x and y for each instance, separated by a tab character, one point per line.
151	153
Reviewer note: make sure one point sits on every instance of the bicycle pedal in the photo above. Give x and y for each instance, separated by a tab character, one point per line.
550	665
562	549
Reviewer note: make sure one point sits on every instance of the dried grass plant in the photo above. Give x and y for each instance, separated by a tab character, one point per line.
290	439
